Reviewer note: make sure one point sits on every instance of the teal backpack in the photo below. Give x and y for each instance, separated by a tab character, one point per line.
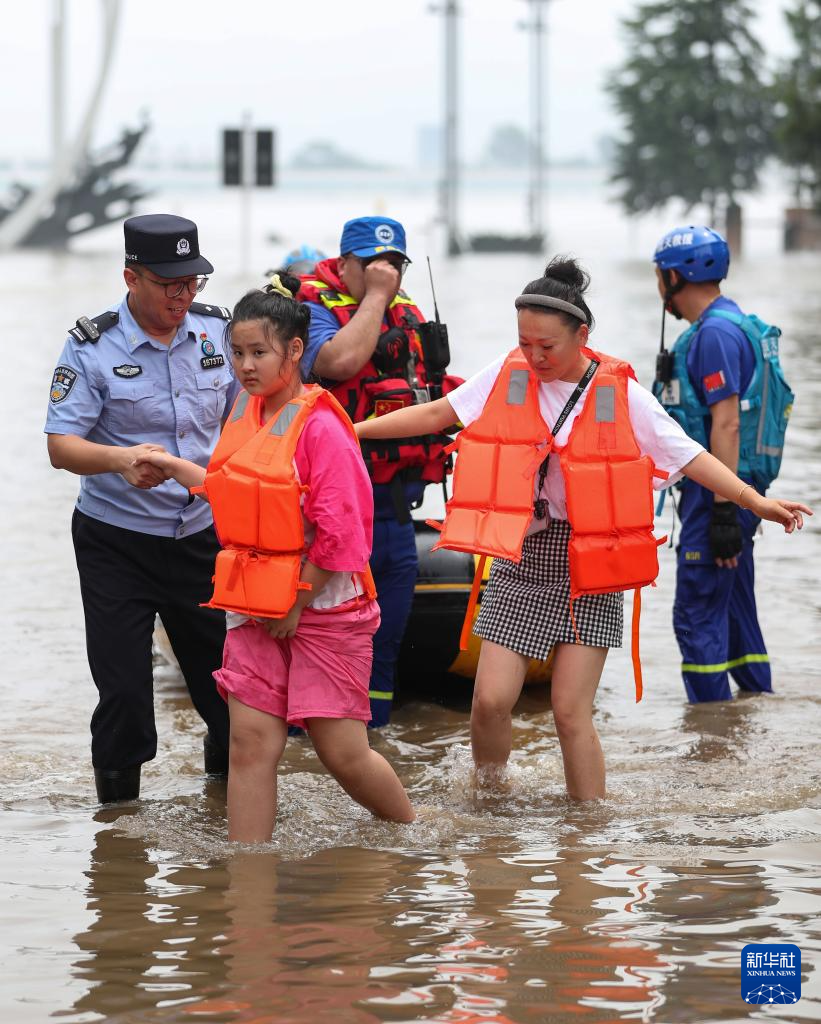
765	406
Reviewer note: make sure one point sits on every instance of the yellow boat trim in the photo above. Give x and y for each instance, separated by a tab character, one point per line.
747	659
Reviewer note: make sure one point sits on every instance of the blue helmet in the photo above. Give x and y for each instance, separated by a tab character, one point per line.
698	253
303	259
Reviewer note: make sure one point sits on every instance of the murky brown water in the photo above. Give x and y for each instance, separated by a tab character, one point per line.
510	908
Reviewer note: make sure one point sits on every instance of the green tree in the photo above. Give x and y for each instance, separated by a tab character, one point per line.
697	116
798	91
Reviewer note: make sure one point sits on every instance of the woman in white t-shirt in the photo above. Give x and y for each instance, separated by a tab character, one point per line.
525	610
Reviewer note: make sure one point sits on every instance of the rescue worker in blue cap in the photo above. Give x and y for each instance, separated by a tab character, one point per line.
148	373
723	382
363	344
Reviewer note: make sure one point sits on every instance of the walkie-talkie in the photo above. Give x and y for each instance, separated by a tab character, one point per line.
664	358
433	336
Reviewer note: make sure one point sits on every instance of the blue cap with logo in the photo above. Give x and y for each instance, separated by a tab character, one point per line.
370	236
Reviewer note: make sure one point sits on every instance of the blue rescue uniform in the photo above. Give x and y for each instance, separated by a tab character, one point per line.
714	614
142	552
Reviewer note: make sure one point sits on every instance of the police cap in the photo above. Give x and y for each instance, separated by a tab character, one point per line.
165	244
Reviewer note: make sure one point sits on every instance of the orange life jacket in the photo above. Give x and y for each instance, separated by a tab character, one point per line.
371	392
255	494
607	479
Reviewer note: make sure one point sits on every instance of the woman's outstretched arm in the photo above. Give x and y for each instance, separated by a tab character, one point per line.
706	470
427	418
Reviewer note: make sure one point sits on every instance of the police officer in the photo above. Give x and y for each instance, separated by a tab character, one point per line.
362	335
711	368
149	373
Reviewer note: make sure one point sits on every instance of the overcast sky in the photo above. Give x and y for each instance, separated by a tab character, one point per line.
366	73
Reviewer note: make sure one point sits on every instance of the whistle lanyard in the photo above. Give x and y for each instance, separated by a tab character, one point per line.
540	504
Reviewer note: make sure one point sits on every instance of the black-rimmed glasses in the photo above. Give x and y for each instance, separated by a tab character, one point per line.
174	289
400	263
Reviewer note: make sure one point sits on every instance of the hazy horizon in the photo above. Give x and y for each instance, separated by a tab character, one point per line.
323	79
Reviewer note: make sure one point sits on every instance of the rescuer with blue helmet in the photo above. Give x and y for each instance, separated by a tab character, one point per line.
709	383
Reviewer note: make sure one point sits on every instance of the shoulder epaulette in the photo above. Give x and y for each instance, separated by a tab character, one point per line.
205	309
90	330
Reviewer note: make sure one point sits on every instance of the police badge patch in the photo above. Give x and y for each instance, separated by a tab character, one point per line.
127	370
61	384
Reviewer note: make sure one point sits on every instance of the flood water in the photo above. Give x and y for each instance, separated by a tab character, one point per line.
516	906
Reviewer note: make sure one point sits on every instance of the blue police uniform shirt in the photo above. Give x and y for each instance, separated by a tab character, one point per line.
720	360
323	327
128	388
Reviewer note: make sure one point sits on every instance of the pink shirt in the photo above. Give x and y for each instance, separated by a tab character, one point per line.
338	508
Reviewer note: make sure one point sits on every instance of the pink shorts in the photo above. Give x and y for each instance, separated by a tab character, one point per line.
323	671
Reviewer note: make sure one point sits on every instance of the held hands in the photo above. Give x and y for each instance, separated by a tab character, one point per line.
282	629
160	459
138	469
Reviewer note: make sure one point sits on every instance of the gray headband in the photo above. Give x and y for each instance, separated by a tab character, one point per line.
548	300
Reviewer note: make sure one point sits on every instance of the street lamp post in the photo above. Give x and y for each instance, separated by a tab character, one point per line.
537	27
449	183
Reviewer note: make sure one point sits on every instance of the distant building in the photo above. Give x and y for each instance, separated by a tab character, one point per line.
508	146
322	154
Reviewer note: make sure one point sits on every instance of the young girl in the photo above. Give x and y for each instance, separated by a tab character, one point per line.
293	509
512	496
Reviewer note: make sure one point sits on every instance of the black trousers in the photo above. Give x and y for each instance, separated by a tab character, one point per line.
125	579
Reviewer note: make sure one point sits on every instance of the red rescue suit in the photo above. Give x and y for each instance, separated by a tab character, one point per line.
371	392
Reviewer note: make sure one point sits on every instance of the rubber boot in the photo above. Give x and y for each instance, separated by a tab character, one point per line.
115	784
215	758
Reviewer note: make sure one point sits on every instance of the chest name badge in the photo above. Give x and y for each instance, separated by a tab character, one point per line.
671	393
61	384
127	370
212	362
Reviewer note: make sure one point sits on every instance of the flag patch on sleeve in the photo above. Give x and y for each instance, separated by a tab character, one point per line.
714	381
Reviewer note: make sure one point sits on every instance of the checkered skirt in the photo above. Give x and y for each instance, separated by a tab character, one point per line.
526	607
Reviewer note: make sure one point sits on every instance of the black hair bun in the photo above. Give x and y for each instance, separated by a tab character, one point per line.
568	271
291	281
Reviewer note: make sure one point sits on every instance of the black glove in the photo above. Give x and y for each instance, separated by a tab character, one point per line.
725	532
392	352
